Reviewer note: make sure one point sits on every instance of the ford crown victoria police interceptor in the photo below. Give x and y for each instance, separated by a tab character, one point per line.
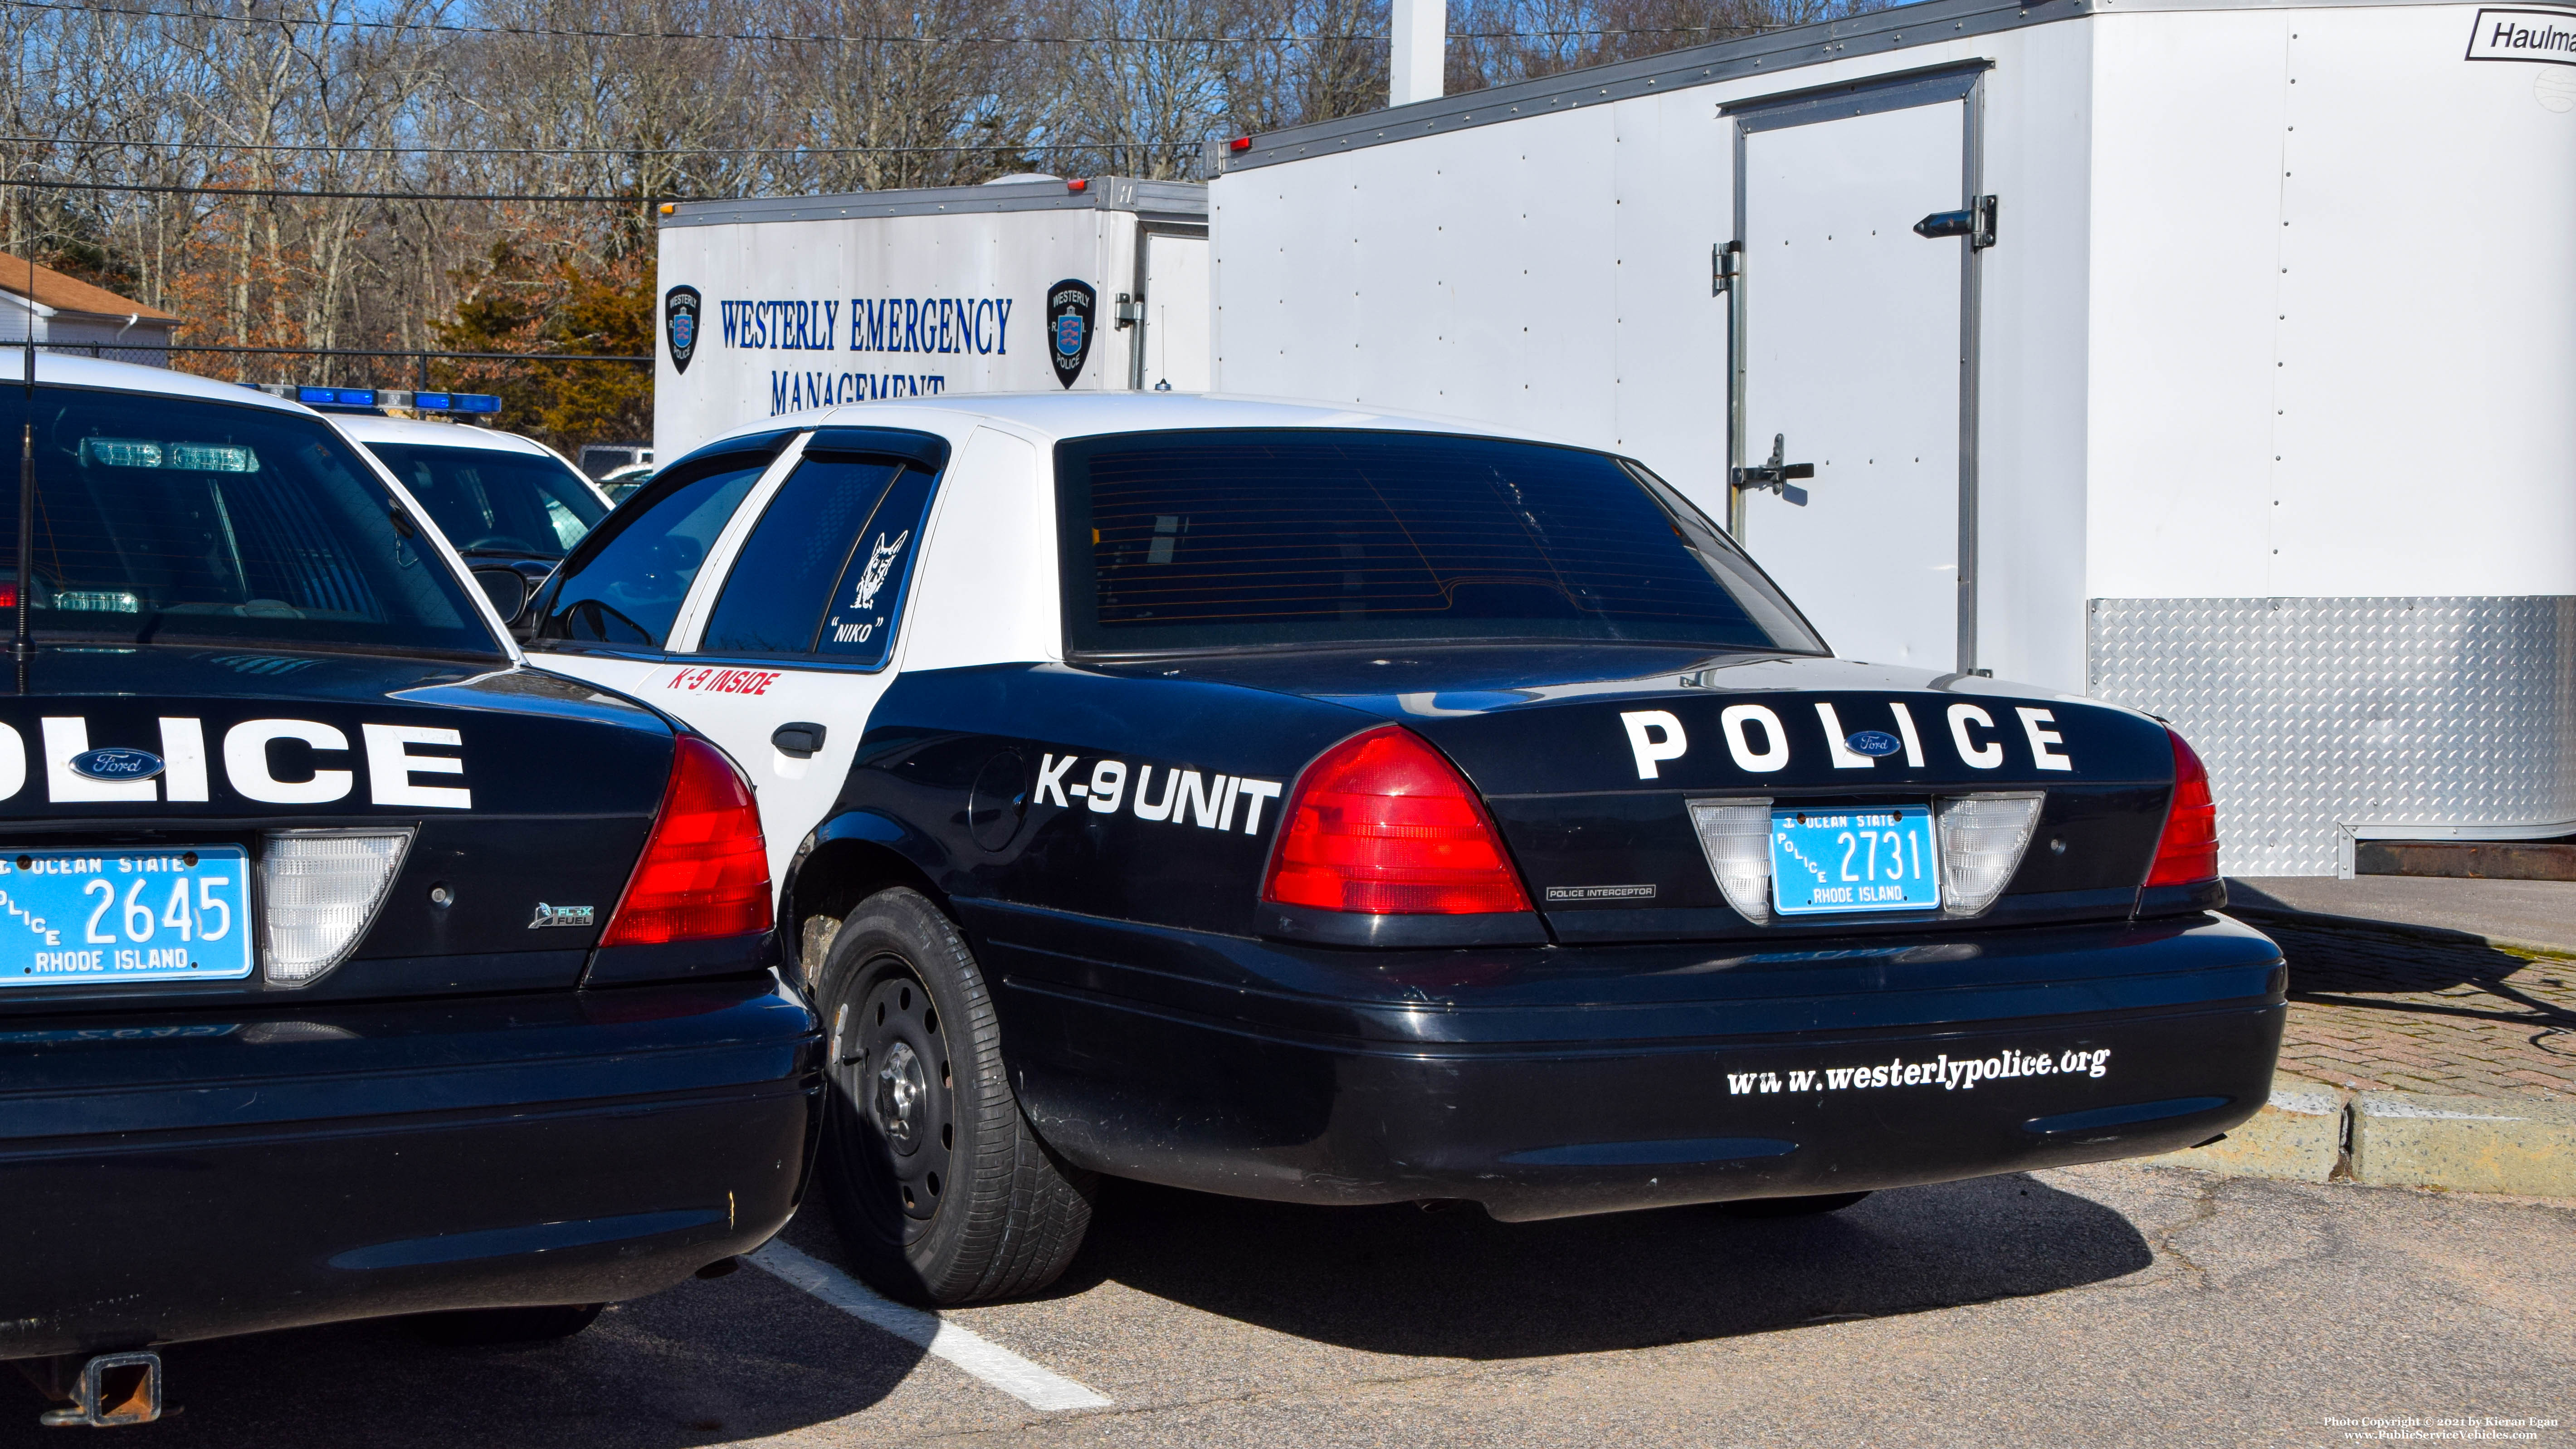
1320	806
348	967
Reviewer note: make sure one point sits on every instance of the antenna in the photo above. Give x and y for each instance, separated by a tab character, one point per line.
23	648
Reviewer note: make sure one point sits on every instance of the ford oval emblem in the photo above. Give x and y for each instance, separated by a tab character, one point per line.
116	764
1874	742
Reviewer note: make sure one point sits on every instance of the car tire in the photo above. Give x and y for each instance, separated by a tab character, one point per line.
483	1327
941	1191
1790	1207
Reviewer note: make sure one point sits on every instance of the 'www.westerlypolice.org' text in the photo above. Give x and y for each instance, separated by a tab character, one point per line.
1946	1072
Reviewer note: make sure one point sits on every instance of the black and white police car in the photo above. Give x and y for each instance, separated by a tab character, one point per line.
511	505
348	967
1320	806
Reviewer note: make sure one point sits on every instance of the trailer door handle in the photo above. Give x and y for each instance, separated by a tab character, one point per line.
1976	222
802	739
1775	474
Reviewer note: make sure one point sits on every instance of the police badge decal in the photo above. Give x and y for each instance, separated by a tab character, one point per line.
680	324
1069	309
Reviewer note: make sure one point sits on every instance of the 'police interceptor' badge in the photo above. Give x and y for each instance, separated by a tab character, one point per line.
680	324
1069	310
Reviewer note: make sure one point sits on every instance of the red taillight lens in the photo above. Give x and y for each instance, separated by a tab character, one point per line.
2187	853
705	871
1384	826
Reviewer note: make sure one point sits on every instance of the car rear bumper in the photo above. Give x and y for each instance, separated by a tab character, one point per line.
190	1176
1549	1082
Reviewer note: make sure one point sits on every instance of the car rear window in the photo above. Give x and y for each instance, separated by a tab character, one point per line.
1267	537
496	501
165	519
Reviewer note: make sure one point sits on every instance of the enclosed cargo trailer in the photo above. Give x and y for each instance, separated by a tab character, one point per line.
2213	358
776	305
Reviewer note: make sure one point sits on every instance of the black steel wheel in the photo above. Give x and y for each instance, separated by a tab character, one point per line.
940	1188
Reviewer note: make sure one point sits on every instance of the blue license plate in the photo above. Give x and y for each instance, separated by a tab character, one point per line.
82	916
1840	859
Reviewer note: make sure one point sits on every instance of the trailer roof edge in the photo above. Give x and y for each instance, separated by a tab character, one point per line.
1774	52
1180	201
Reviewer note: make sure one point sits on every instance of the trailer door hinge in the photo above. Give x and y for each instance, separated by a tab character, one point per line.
1130	311
1725	264
1777	474
1975	221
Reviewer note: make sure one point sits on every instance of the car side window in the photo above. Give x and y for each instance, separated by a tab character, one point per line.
625	584
866	606
773	601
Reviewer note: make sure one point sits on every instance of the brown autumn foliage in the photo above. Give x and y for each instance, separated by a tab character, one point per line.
627	101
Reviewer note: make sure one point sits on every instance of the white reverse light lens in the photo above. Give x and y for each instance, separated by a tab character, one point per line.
1982	839
319	890
1736	835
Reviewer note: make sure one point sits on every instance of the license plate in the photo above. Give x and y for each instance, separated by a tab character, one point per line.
1840	859
81	916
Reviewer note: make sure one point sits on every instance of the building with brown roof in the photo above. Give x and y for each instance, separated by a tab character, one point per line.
68	314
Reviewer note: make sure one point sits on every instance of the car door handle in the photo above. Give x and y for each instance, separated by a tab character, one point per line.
803	739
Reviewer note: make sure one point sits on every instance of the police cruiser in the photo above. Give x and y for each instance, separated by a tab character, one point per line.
348	967
1322	806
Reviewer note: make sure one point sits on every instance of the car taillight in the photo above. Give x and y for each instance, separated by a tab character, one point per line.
705	871
1382	825
2187	852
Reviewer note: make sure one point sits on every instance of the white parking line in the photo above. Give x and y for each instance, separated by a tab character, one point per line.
1039	1388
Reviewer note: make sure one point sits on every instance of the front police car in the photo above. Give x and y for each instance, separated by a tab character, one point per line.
1316	805
347	966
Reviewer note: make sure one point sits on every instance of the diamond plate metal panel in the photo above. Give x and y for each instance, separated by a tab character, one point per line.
2319	713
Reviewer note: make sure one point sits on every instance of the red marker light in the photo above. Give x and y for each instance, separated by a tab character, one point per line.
1239	143
1077	185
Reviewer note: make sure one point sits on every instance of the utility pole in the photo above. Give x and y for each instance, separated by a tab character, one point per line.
1420	44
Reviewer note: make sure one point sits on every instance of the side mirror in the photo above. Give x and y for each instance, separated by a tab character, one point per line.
508	590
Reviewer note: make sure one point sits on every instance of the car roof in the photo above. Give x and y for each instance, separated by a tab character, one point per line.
421	431
62	370
1059	415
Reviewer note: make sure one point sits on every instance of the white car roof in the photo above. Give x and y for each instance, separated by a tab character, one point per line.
364	428
1054	416
67	371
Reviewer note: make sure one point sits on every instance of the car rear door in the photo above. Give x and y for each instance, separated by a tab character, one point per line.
782	660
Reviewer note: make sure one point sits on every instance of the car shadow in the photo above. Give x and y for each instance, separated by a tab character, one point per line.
1457	1284
734	1358
2352	964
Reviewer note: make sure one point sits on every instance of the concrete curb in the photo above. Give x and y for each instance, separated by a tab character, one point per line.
2317	1132
2443	934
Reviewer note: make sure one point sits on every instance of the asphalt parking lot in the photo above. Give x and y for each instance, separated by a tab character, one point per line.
2103	1305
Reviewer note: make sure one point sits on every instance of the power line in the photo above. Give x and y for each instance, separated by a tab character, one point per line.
792	38
169	189
267	146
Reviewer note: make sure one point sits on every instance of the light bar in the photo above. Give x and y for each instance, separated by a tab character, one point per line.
320	888
1736	837
384	397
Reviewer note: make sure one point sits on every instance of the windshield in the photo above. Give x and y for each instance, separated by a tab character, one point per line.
163	519
492	501
1252	537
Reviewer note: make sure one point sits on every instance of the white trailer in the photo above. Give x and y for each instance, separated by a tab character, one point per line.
776	305
2210	356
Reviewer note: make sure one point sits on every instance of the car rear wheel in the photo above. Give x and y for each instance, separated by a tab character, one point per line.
1790	1207
939	1187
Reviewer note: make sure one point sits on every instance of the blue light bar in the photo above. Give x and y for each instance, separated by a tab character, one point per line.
336	397
432	402
474	402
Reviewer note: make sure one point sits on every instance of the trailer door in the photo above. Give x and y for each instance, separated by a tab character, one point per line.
1854	351
1176	312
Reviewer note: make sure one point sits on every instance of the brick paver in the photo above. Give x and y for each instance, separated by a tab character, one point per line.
2388	1011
